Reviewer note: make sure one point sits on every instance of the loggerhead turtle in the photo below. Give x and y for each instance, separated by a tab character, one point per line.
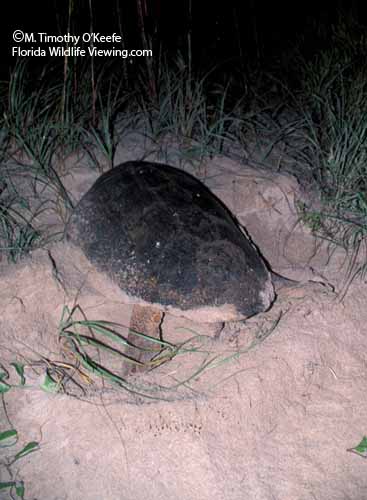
171	245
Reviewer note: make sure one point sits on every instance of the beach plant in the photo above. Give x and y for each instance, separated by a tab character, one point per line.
9	438
188	107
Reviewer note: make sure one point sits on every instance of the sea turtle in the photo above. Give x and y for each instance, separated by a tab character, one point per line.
171	245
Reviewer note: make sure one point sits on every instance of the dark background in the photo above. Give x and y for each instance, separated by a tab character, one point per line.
252	30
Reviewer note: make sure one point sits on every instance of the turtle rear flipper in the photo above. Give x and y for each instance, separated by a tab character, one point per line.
144	320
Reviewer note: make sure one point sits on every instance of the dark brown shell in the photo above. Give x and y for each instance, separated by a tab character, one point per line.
165	238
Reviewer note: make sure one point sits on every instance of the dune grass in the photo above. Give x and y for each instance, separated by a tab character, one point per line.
317	123
9	438
333	105
315	116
